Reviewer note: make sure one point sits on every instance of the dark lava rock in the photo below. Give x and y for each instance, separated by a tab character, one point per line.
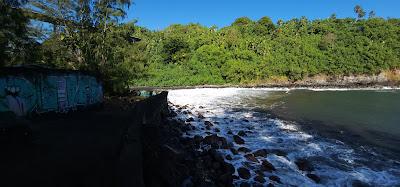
275	178
266	166
208	123
197	139
216	130
244	173
234	151
280	153
251	157
228	157
235	177
261	153
259	179
304	165
314	177
259	172
244	150
245	184
190	119
238	139
229	132
201	107
245	120
208	127
200	116
270	185
216	142
242	133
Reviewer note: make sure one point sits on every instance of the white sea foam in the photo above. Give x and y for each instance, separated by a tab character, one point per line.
334	162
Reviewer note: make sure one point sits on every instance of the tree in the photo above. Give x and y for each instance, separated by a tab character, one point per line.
371	14
15	43
359	11
243	21
266	22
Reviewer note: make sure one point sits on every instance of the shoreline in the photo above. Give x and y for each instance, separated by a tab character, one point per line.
280	87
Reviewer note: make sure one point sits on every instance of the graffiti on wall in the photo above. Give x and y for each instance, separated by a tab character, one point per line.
48	93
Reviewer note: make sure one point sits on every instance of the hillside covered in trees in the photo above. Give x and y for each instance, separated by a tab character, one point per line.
246	52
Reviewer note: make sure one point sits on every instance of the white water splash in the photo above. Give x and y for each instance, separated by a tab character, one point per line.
334	162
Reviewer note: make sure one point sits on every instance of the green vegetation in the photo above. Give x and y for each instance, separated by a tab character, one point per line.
247	52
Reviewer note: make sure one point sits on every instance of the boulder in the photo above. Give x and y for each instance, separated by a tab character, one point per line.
200	116
251	157
208	123
190	119
259	179
245	184
304	165
238	139
242	133
314	177
267	166
275	178
261	153
228	157
244	150
244	173
216	130
229	132
234	151
216	142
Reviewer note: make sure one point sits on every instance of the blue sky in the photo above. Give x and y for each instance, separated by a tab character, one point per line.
158	14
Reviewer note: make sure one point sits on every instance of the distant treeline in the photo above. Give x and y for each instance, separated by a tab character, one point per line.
246	52
257	51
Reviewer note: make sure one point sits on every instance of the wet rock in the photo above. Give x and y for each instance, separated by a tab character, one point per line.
270	185
259	179
216	165
314	177
216	142
201	107
193	128
190	119
256	184
231	120
244	150
197	139
259	172
275	178
208	127
208	123
235	177
228	157
242	133
234	151
238	139
216	130
225	180
245	184
280	153
200	116
229	132
304	165
245	120
251	157
244	173
261	153
267	166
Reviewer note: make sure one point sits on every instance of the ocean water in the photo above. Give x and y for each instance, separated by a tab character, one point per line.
351	137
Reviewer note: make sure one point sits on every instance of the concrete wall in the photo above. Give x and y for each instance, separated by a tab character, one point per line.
48	92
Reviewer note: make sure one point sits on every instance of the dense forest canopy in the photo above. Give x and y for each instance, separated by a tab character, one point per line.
89	35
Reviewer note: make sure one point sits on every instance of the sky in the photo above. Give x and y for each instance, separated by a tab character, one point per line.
159	14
